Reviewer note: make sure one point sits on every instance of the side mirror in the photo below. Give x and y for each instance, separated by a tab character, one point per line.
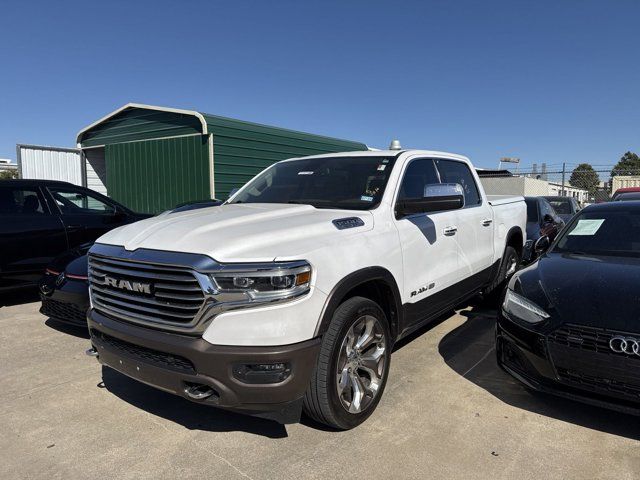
541	245
438	197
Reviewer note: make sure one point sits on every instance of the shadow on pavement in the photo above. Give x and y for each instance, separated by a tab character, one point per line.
76	331
19	297
469	350
188	414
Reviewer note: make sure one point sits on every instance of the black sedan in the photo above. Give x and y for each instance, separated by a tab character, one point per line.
41	219
570	322
64	288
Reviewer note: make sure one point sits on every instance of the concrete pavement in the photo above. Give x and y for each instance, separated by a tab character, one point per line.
447	412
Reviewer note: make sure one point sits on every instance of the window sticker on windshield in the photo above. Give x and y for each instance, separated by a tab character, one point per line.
381	167
366	198
305	173
587	227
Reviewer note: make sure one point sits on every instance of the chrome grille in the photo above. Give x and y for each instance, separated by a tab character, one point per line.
173	300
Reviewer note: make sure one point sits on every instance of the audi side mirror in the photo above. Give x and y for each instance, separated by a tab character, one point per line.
437	197
541	245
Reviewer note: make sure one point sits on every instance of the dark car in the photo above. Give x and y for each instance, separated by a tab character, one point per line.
40	219
627	192
64	288
570	322
565	207
627	197
542	220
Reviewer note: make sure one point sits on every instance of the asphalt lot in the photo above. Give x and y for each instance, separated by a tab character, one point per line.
447	412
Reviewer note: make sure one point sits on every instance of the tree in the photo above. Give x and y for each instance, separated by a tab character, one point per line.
629	164
585	177
8	174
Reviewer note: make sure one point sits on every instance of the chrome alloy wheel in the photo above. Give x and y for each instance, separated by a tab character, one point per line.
361	364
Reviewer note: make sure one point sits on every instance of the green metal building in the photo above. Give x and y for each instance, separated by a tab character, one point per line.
153	158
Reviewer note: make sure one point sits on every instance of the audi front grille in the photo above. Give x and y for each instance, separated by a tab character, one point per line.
161	296
582	356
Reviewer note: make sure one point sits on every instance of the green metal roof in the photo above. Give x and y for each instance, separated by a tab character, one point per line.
135	122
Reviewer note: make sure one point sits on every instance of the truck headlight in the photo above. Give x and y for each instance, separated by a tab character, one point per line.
264	282
517	306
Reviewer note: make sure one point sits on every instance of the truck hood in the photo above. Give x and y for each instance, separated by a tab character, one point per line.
240	232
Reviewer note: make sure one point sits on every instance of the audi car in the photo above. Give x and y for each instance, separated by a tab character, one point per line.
570	322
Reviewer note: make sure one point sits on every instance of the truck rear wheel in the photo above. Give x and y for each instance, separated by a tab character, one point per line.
509	265
353	366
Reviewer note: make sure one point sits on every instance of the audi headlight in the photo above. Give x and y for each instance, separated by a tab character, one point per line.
262	283
517	306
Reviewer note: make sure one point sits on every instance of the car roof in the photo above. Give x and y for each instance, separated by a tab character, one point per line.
632	205
386	153
31	182
627	190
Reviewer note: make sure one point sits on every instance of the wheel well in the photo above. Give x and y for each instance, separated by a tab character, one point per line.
516	240
381	293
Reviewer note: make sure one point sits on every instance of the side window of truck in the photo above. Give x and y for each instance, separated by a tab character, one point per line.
458	172
419	173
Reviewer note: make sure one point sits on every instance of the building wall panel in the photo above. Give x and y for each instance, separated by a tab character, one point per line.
156	175
50	163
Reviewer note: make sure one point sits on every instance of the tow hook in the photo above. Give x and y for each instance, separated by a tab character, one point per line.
198	391
92	352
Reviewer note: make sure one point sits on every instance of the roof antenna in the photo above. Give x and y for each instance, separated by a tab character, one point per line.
395	145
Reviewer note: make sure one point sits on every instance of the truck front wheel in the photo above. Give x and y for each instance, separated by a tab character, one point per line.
353	365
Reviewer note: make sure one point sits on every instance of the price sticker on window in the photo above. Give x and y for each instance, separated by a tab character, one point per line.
587	227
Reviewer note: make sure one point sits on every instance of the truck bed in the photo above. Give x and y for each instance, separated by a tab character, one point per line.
495	200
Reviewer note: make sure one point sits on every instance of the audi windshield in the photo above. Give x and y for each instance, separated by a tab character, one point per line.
352	183
606	231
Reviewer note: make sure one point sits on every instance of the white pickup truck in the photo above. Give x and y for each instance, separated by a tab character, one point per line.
291	295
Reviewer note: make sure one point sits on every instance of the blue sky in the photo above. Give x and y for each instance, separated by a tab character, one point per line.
545	80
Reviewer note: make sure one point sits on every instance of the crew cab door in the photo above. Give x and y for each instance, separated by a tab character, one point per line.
30	235
86	216
429	246
474	223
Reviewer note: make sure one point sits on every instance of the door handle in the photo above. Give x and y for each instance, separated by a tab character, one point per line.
450	231
486	222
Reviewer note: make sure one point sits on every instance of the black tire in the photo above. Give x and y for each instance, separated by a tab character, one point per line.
321	401
493	291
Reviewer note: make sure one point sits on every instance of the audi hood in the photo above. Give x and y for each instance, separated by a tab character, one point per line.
600	291
241	232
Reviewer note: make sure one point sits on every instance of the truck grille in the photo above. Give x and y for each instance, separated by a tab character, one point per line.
164	296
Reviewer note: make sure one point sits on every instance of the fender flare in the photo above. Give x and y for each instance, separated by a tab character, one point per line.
513	231
497	266
353	280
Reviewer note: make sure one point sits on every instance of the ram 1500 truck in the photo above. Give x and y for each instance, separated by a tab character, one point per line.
291	295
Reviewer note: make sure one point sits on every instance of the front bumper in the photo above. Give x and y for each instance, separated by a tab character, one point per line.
66	301
174	362
525	355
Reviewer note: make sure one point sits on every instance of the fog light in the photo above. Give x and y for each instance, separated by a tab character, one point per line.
262	372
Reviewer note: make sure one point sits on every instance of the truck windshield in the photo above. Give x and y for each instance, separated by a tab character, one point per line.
351	183
614	232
